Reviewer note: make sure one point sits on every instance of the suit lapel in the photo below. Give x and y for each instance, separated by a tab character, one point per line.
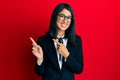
52	53
69	47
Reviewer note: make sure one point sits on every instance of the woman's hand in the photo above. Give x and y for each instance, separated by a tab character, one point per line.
37	51
62	49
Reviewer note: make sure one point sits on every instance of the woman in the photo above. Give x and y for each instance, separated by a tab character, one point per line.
59	52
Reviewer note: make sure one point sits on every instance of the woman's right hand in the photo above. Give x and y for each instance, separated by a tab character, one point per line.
37	51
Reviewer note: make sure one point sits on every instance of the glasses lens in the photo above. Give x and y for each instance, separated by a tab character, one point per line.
69	18
62	17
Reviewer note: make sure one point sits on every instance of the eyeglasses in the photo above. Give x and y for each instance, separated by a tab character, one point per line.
62	17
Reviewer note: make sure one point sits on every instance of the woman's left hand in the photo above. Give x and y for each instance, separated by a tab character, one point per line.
62	49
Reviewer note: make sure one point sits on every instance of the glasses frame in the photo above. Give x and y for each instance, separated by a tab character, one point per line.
62	17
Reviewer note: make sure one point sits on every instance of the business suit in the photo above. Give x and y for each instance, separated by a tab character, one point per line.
49	69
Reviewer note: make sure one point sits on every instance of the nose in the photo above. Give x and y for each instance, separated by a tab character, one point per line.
65	20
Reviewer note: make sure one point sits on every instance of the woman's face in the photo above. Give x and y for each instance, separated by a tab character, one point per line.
63	20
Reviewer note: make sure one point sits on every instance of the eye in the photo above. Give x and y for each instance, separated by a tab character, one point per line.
69	17
61	15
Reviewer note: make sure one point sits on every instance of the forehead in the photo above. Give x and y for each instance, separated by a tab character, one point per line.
66	12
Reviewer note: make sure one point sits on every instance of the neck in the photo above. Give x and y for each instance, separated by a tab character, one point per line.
60	33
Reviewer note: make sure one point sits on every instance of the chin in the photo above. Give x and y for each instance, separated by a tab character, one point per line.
63	29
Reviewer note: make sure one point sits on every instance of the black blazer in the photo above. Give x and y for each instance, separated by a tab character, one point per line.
49	69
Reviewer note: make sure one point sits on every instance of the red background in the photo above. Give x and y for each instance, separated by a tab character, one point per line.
97	22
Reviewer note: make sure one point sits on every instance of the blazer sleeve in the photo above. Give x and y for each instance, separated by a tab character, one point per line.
75	62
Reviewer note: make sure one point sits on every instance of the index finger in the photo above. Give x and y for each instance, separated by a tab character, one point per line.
33	41
56	42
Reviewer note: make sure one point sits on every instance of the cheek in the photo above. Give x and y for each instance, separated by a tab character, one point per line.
68	24
58	24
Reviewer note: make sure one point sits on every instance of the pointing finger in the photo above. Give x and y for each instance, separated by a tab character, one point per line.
33	41
56	42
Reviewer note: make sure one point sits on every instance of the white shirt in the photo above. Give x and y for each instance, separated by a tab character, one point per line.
64	43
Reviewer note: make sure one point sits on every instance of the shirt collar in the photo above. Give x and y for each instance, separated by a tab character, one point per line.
61	37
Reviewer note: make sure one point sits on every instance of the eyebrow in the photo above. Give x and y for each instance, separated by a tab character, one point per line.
66	15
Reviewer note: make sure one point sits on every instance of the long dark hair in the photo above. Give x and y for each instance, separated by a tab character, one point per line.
70	32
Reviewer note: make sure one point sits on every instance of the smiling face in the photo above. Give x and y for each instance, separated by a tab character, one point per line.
63	20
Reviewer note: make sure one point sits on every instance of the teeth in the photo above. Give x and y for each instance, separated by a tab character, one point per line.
63	25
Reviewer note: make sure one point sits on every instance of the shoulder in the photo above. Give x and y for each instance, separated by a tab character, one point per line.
78	40
43	39
78	37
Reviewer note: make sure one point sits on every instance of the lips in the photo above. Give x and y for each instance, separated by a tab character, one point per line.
64	25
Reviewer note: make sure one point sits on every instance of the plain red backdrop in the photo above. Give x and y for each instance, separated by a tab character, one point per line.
97	22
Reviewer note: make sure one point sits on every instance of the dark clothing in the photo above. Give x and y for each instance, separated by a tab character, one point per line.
49	69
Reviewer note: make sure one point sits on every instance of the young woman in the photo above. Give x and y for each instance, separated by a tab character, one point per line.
59	52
